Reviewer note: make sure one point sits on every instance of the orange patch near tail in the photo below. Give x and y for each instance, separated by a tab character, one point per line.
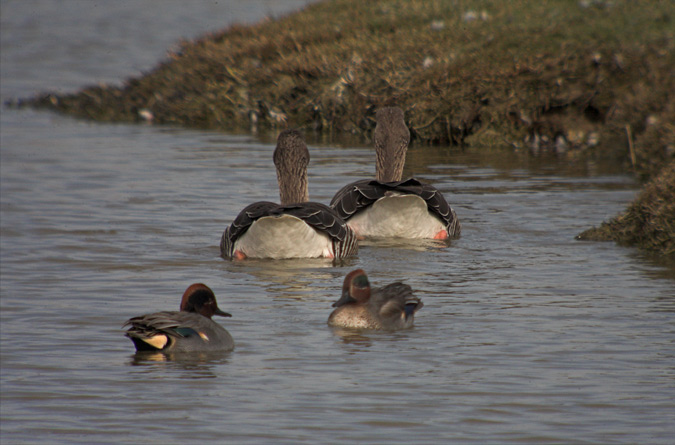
443	234
238	255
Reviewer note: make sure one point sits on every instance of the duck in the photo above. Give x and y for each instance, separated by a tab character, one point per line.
389	207
295	228
189	330
388	308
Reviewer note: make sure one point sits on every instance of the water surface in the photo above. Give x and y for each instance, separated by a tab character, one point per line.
526	334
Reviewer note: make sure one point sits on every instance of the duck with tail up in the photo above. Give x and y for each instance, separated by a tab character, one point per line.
189	330
388	207
296	228
386	308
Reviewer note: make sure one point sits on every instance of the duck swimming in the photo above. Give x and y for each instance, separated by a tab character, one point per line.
388	308
388	207
296	228
189	330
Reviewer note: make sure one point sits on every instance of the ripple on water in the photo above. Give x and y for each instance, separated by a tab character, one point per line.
526	334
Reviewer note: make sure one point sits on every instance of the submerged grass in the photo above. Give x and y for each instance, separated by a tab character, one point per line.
593	77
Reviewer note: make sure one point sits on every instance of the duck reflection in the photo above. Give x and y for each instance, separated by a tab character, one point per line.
292	278
352	337
418	245
199	365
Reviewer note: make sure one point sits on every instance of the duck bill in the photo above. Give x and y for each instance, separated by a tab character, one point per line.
344	299
222	313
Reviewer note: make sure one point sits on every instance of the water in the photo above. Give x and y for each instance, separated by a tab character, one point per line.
526	334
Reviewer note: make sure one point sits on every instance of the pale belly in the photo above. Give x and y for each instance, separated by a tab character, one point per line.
398	216
283	237
355	317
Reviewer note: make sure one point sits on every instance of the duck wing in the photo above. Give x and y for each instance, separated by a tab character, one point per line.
177	331
156	331
318	216
394	302
361	194
242	223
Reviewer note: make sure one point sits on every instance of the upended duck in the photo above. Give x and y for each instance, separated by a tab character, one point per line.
388	207
189	330
388	308
296	228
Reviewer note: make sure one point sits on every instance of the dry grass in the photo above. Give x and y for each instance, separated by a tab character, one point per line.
588	77
536	73
649	222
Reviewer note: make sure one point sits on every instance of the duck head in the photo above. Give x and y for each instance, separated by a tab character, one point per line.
355	288
200	298
291	159
391	139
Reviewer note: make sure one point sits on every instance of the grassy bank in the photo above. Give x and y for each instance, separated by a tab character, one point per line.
591	77
648	222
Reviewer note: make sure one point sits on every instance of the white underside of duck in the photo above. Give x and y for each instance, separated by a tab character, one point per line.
396	216
281	237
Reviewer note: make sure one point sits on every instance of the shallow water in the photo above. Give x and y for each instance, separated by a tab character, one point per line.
526	334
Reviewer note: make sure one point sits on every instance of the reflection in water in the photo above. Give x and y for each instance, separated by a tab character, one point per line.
352	336
364	338
300	278
420	245
525	330
198	364
290	278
